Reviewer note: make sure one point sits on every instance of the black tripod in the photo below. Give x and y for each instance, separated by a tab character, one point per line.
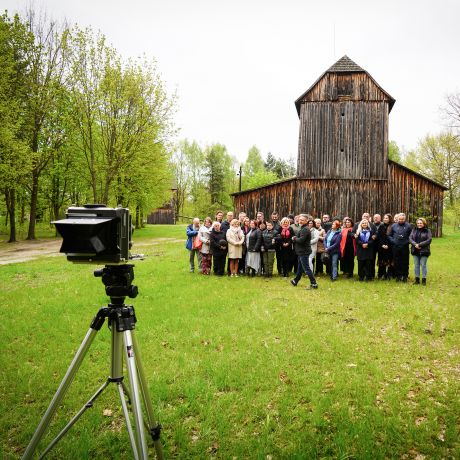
121	321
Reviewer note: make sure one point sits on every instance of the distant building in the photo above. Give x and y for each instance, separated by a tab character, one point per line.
342	164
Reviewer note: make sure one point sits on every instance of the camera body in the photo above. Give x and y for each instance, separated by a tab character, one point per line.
95	233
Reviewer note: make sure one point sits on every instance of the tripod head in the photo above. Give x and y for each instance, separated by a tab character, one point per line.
117	280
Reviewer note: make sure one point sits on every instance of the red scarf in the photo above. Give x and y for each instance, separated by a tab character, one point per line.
285	233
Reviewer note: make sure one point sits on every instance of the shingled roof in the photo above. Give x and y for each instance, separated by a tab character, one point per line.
343	65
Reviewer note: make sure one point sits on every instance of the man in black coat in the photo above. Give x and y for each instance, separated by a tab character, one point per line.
303	250
277	229
399	238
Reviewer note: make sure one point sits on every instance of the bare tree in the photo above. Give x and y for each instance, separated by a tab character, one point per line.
451	111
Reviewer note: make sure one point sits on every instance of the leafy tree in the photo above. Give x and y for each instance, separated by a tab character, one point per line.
394	152
439	158
215	165
188	165
15	164
122	115
254	162
261	178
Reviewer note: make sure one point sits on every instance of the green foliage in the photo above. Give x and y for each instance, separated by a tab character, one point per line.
285	374
282	168
260	178
219	169
254	162
439	158
78	123
394	152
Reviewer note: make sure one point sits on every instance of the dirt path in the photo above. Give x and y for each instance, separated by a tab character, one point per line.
30	250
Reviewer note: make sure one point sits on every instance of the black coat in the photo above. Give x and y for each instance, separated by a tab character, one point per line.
225	226
276	226
399	234
423	238
267	240
255	240
215	239
365	253
302	242
280	240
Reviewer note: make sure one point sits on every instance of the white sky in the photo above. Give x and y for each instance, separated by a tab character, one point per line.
238	66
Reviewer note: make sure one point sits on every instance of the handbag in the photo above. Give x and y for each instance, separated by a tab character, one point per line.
325	257
197	243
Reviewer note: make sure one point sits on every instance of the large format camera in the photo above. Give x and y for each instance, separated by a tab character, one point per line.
95	233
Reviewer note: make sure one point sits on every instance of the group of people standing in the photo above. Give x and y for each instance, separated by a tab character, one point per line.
303	244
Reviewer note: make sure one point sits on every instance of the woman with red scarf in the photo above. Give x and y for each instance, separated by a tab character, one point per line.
286	250
347	248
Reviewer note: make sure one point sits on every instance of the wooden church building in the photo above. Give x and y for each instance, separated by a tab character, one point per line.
342	165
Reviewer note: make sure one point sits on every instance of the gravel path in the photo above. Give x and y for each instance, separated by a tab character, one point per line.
29	250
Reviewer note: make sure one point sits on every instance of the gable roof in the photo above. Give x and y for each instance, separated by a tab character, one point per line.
343	65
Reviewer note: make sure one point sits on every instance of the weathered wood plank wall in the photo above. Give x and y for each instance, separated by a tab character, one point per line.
404	191
344	128
162	216
342	165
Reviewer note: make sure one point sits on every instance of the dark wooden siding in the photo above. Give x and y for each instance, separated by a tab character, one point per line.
404	191
162	216
358	86
344	140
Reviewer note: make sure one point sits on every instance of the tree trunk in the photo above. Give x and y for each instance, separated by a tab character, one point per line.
33	205
137	223
10	198
22	218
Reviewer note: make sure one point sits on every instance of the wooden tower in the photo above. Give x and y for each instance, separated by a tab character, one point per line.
343	130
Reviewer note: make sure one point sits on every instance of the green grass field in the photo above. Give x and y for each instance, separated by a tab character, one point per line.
240	368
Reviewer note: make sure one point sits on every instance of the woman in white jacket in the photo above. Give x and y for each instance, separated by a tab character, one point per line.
204	234
313	242
235	240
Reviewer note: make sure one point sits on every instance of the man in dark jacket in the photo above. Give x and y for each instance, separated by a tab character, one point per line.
399	238
226	223
303	250
277	229
326	222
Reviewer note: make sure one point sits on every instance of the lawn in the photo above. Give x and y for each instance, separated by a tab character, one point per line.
240	367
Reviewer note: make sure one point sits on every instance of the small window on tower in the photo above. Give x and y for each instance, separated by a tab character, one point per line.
344	87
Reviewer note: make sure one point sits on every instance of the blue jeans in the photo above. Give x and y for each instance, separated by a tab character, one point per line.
304	266
420	261
334	261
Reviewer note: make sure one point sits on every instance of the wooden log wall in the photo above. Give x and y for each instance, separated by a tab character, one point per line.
343	140
404	191
358	86
162	216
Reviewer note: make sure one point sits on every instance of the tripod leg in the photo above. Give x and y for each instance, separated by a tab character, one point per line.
136	402
124	406
69	425
60	393
153	427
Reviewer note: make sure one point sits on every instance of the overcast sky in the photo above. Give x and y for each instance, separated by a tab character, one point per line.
239	65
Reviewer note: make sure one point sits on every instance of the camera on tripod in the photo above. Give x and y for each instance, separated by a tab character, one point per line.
95	233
